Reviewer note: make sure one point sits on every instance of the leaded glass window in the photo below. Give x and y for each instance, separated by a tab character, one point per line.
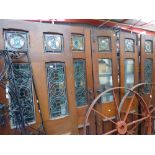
53	43
148	66
23	84
129	45
148	46
104	44
80	82
78	42
129	73
16	41
57	95
105	78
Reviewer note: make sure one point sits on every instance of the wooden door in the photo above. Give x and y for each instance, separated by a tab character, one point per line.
147	66
52	64
105	74
129	69
83	78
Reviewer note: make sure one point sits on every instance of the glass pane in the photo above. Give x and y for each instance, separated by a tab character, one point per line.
56	78
77	42
148	66
23	83
148	46
80	82
129	45
103	44
129	73
53	43
105	78
15	40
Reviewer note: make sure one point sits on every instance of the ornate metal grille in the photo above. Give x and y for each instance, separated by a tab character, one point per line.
16	40
23	82
57	95
80	82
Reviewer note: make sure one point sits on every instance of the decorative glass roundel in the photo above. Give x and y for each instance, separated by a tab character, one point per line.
104	44
16	41
148	46
129	45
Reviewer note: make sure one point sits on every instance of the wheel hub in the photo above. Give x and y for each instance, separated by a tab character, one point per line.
121	127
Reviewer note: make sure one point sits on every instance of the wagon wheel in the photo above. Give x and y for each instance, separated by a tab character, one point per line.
149	94
121	126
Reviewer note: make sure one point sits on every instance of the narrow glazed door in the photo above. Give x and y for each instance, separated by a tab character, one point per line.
129	70
105	75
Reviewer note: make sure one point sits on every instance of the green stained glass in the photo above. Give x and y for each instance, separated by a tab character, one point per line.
148	46
104	44
23	83
129	45
57	95
80	82
77	42
148	66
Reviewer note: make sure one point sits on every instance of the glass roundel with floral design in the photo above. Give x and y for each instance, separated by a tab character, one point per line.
129	45
15	40
148	46
53	42
104	44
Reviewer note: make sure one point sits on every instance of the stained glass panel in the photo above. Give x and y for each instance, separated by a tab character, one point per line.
129	73
129	45
148	66
105	78
77	42
53	43
57	95
104	44
148	46
23	83
80	82
16	41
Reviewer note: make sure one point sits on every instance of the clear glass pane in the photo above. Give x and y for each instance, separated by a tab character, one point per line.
129	45
23	83
148	46
80	82
105	78
104	44
16	40
148	66
56	78
129	73
53	43
77	42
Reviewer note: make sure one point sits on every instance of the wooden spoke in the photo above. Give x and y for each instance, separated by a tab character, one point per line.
116	104
104	116
129	107
110	132
138	121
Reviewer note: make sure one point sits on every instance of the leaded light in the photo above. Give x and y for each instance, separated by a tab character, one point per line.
105	78
104	44
53	43
78	42
23	84
80	82
56	78
148	66
16	41
129	45
129	73
148	46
